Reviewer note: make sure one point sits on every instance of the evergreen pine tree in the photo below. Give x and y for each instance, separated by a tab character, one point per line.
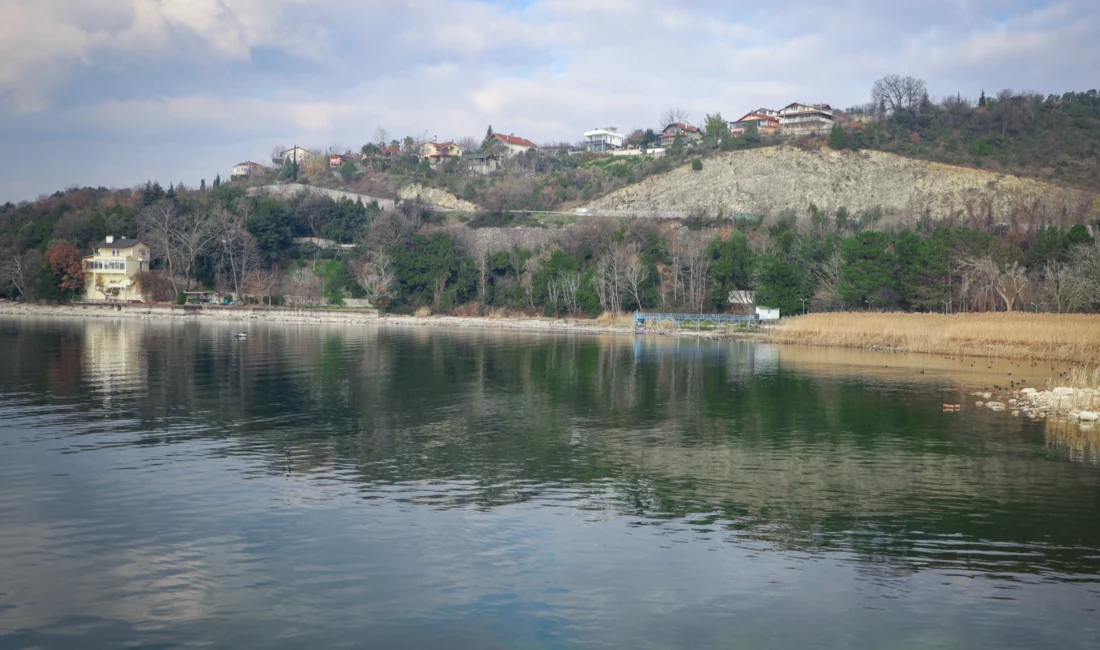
202	185
837	138
217	180
981	100
171	193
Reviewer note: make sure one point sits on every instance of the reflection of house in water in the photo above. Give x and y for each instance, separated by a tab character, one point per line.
113	358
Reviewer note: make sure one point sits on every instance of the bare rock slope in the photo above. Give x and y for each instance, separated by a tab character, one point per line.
778	178
437	198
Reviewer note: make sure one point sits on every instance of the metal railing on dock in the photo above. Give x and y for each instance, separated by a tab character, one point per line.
646	319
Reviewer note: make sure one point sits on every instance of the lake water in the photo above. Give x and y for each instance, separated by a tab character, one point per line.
164	485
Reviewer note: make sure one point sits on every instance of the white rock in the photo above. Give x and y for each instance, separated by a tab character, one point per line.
1062	391
1028	391
1088	416
995	406
987	395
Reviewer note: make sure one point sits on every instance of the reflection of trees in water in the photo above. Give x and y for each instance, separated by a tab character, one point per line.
677	433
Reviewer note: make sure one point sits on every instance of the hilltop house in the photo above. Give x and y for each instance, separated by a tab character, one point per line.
686	133
109	274
438	153
603	140
803	119
297	154
337	160
765	124
246	169
509	145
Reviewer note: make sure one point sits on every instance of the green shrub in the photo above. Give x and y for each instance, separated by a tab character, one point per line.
697	165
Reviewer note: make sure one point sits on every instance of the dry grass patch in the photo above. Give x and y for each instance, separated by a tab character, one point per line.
1058	337
621	319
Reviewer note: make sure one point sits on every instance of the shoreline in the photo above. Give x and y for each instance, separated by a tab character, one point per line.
226	314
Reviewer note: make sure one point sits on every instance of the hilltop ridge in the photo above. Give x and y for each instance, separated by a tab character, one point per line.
774	179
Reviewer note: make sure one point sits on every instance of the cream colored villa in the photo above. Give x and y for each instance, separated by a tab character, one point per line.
110	273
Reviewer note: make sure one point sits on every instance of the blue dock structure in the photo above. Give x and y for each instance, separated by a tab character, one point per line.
643	320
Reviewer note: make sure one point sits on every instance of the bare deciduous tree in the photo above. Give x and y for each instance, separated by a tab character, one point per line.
553	292
177	238
570	283
375	273
1057	286
635	273
694	267
527	280
392	228
20	271
381	137
897	93
262	282
236	247
469	143
1011	283
305	286
158	225
829	278
672	116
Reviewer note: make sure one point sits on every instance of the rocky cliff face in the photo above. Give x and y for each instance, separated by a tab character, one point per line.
778	178
436	198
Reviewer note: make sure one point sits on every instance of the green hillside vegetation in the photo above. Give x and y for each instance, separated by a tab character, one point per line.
412	257
1054	138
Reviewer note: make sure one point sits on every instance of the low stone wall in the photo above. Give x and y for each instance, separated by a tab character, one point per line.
212	312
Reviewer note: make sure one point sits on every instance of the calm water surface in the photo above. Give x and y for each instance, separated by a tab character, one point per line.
163	485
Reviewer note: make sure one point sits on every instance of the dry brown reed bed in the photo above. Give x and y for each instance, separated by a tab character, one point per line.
1073	338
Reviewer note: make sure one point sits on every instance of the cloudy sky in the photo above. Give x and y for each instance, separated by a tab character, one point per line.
113	92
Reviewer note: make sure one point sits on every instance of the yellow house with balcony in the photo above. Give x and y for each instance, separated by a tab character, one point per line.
110	274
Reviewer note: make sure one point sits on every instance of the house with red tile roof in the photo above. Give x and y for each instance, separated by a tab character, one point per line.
686	132
438	153
509	145
765	124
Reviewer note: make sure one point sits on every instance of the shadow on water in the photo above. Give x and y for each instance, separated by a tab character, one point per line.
683	442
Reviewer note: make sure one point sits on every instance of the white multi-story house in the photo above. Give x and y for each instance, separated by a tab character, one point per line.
803	119
603	140
297	154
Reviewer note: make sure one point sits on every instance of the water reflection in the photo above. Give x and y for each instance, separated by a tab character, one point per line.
472	489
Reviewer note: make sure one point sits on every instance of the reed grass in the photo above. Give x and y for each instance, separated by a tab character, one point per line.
1071	338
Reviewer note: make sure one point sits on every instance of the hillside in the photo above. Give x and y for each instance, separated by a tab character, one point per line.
774	179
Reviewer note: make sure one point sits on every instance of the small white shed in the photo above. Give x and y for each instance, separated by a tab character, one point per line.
767	313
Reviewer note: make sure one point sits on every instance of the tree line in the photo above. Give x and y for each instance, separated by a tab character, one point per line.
411	257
